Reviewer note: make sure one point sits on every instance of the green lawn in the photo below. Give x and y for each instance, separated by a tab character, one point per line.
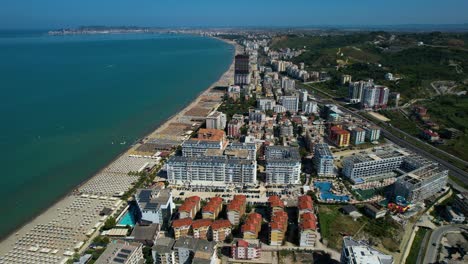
334	224
417	243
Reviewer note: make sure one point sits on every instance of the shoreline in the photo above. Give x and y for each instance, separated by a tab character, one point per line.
157	128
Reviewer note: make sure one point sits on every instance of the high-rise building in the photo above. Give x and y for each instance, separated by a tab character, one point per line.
257	116
323	160
211	171
216	120
358	252
241	70
234	127
291	103
421	183
283	165
303	96
372	133
155	205
287	84
377	164
339	136
309	107
206	139
375	96
265	104
358	135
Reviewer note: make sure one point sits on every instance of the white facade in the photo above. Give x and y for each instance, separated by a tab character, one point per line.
211	171
283	165
309	107
291	103
265	104
216	120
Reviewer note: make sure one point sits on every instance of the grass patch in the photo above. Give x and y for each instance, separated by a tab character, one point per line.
417	243
334	224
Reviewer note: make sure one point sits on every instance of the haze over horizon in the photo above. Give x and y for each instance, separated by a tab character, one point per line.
27	14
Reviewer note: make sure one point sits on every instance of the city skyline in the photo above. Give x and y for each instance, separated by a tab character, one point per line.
49	14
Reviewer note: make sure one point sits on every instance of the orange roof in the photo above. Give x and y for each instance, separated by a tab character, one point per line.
237	203
248	227
213	205
181	222
221	223
242	243
240	198
307	224
308	217
210	134
187	206
276	226
201	223
280	216
305	202
275	201
195	199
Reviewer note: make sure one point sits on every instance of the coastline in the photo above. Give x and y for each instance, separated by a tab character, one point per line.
46	215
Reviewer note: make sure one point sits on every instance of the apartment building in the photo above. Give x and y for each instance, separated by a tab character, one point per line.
212	209
379	163
323	160
283	165
220	230
181	227
236	209
155	205
190	207
201	228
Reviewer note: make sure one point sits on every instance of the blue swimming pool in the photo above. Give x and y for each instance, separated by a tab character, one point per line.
326	194
128	218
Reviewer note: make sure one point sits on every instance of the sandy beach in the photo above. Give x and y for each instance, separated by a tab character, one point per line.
76	216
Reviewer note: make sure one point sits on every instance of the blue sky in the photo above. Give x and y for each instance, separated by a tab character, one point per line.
71	13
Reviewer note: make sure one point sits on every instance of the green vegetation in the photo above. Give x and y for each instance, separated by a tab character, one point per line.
147	255
109	224
400	121
371	55
417	243
241	106
334	224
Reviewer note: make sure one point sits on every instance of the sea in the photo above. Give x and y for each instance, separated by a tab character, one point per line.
71	104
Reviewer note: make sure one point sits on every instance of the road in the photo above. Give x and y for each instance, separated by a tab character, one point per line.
436	236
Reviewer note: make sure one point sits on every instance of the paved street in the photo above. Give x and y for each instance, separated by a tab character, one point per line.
436	236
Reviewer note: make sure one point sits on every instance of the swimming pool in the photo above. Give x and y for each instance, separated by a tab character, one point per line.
326	194
128	218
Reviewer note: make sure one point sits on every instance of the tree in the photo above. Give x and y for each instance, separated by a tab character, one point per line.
110	223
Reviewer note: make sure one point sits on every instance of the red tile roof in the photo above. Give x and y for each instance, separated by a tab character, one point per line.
221	223
242	243
201	223
214	204
189	204
277	226
305	202
275	201
248	227
181	222
307	225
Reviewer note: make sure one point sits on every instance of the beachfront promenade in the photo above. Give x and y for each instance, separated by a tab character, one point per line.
56	234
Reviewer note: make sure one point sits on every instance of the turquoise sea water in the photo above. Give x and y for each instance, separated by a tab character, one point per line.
65	99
